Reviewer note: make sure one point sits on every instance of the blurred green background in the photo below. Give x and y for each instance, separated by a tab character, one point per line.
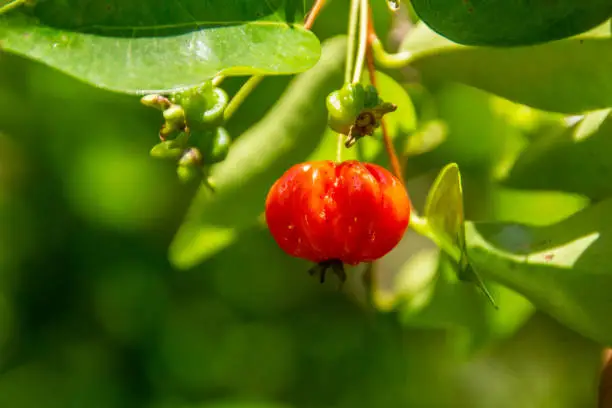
93	316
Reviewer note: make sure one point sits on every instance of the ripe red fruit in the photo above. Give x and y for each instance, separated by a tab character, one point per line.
324	211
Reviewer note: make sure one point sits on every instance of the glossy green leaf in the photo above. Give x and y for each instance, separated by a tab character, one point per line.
563	269
287	135
445	218
135	47
566	76
576	160
444	205
511	23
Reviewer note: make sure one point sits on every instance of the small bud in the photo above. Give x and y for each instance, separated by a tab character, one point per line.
220	146
175	114
175	121
214	114
168	149
191	157
190	166
213	144
165	132
195	101
155	101
168	130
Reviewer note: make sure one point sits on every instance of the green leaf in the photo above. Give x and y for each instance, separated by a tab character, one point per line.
135	47
287	135
569	76
511	23
476	134
444	205
427	294
575	160
429	136
445	218
564	269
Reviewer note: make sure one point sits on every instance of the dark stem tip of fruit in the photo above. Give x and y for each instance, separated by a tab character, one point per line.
321	268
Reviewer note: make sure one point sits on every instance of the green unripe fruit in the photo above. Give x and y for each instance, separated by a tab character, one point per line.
214	144
166	150
175	120
174	114
343	107
203	105
191	157
193	99
220	146
214	115
155	101
190	166
170	149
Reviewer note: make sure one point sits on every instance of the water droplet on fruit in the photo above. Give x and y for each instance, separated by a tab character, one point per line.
394	5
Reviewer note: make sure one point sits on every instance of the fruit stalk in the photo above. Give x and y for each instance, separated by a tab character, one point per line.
241	95
395	163
352	33
365	12
418	224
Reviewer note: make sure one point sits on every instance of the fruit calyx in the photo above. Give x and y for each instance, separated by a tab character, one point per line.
336	266
356	111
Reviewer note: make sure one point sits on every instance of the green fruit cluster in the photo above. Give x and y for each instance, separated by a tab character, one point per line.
192	133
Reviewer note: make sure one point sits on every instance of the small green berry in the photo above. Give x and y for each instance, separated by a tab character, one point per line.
220	146
156	101
343	107
214	144
214	114
167	149
174	114
191	157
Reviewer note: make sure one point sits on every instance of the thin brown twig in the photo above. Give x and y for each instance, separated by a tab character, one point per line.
395	163
605	382
314	12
